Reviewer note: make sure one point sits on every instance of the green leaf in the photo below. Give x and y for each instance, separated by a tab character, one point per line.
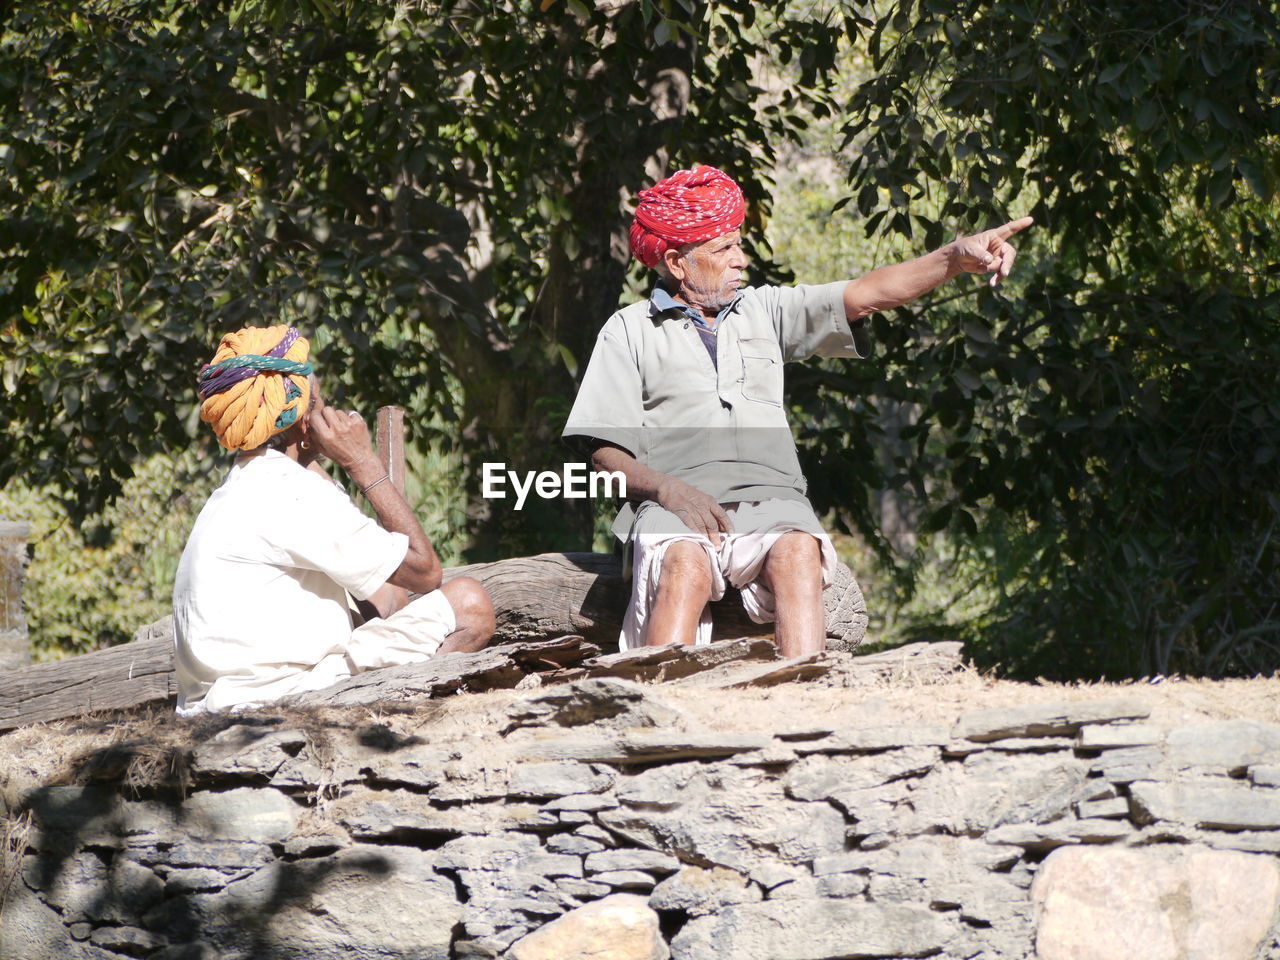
1148	115
939	519
976	331
1111	73
1259	182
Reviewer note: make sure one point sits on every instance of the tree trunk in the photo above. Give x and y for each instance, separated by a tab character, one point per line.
515	404
15	648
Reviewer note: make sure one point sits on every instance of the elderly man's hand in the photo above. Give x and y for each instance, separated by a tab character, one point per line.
987	252
699	511
341	435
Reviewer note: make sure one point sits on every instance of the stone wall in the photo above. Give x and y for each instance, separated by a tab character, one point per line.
14	646
592	822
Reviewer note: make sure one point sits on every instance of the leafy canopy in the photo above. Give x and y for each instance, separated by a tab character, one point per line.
1104	436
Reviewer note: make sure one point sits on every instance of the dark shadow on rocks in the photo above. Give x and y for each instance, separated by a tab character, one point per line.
378	736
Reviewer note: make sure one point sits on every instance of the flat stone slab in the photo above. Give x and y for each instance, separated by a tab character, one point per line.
649	747
1047	719
647	860
965	748
595	702
1112	736
246	750
244	815
1223	745
1228	806
1156	903
821	778
1061	833
557	778
871	738
1106	808
1266	775
702	890
1126	764
496	667
738	676
812	930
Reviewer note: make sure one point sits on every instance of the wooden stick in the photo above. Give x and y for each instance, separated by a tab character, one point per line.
390	438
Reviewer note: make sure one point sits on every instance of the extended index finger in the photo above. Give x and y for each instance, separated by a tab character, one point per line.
1013	226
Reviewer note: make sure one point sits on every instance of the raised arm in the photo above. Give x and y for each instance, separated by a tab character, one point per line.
888	287
699	511
343	437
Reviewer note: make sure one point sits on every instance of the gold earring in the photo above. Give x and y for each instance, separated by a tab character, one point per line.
305	445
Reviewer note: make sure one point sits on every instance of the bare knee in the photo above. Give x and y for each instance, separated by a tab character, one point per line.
472	607
685	567
796	558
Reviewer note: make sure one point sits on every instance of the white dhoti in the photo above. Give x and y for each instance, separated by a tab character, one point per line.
737	561
410	635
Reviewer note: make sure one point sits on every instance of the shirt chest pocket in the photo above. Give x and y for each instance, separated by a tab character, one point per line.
761	370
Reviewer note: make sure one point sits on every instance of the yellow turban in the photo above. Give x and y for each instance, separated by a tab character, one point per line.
256	386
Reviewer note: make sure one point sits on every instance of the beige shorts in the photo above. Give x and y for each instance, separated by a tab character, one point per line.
737	561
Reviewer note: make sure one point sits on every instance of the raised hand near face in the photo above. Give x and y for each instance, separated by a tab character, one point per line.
341	435
988	251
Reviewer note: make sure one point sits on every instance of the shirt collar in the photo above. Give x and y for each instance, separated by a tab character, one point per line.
661	300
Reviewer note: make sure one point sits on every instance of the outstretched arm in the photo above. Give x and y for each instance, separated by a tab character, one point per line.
343	437
888	287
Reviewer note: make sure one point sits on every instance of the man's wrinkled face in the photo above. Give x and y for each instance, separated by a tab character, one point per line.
712	271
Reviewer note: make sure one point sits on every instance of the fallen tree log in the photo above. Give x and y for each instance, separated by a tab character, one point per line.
116	678
584	593
536	598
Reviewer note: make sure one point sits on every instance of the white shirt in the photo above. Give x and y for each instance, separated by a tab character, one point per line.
261	587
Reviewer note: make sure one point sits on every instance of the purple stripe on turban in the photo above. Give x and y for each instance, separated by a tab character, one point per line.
228	377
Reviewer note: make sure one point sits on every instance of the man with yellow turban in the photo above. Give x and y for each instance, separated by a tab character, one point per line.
260	603
683	395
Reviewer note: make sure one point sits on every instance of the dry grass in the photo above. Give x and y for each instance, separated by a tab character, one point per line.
14	833
149	749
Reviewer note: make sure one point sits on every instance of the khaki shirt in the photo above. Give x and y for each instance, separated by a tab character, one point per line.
651	388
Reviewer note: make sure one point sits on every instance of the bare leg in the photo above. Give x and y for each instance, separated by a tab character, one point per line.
793	572
684	588
474	613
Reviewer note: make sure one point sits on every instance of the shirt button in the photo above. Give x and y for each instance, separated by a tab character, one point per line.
686	324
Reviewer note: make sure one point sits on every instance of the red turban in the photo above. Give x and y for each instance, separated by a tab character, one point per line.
687	207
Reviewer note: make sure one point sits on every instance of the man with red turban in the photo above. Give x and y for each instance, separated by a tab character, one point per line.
683	396
260	601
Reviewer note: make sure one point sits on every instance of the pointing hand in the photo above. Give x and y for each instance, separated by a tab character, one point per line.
989	251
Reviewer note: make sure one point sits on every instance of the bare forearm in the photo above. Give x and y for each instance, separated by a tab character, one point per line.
696	509
420	570
384	601
884	288
887	287
643	482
